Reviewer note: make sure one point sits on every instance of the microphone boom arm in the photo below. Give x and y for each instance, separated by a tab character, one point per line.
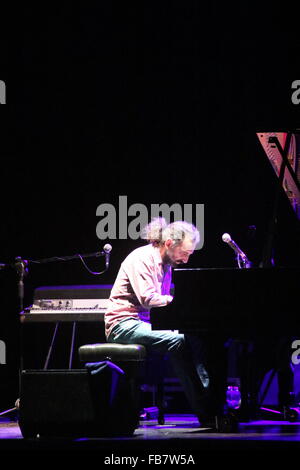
67	258
96	254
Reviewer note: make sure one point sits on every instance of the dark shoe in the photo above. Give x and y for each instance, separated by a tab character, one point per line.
227	423
291	414
208	422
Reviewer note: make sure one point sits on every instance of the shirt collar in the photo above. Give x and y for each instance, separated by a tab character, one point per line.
157	255
158	259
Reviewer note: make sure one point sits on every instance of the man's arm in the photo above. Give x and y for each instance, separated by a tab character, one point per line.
141	278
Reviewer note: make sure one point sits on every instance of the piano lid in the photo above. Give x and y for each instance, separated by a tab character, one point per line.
291	177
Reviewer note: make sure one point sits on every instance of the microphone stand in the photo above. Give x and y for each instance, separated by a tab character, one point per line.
243	262
21	267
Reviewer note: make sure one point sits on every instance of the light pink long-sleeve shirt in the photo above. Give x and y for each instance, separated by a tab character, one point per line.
142	282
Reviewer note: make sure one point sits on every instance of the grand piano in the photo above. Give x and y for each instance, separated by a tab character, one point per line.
257	304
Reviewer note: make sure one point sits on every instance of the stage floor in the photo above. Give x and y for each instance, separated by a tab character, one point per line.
180	439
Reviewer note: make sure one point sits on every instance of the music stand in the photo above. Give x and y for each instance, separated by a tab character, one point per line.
281	151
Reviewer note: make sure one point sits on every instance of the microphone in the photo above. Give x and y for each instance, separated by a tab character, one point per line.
107	249
227	239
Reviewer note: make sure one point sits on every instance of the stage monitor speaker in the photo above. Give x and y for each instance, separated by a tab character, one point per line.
74	403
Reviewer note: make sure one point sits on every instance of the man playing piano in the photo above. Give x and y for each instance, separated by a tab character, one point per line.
143	282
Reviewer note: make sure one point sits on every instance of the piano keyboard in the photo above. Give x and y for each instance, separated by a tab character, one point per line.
70	311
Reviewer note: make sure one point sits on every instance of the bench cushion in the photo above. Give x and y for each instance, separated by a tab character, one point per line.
111	351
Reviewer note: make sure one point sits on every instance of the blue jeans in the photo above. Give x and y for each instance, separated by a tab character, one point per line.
185	353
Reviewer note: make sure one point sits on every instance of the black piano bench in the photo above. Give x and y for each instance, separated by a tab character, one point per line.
126	356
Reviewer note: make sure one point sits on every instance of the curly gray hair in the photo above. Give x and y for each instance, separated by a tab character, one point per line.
158	231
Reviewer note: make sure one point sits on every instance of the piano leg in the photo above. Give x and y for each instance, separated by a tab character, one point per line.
72	345
51	346
256	358
208	370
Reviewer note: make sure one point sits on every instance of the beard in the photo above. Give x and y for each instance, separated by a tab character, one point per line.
168	260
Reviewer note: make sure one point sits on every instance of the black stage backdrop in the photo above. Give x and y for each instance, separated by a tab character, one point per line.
159	103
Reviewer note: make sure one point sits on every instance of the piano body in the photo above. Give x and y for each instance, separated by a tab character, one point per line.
256	307
237	302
